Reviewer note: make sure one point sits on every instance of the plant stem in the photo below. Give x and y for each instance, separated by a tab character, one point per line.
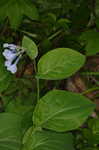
38	90
37	81
54	35
90	90
35	68
90	73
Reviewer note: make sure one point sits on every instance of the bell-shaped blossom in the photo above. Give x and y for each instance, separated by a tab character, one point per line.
12	68
5	45
8	63
10	46
12	57
9	54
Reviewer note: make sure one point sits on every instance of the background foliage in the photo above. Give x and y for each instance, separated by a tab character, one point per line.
52	102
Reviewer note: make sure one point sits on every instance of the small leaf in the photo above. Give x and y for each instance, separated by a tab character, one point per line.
10	131
47	140
62	111
30	46
59	63
91	39
63	23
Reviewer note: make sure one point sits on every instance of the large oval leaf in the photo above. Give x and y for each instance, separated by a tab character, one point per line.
47	140
59	63
10	131
62	111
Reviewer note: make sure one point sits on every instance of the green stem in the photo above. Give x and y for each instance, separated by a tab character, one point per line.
35	68
37	81
38	90
54	35
90	90
90	73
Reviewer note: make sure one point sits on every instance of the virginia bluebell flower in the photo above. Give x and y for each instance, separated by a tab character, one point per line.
8	54
12	54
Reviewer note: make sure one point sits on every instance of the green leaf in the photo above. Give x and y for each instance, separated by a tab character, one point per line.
80	16
30	46
94	126
3	71
10	131
16	9
5	76
47	140
59	63
91	39
97	8
63	23
5	82
62	111
21	110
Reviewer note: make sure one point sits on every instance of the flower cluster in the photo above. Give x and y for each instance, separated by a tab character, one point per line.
12	54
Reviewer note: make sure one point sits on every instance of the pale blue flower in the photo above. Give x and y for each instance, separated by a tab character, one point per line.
12	68
5	45
9	54
8	63
10	46
12	56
